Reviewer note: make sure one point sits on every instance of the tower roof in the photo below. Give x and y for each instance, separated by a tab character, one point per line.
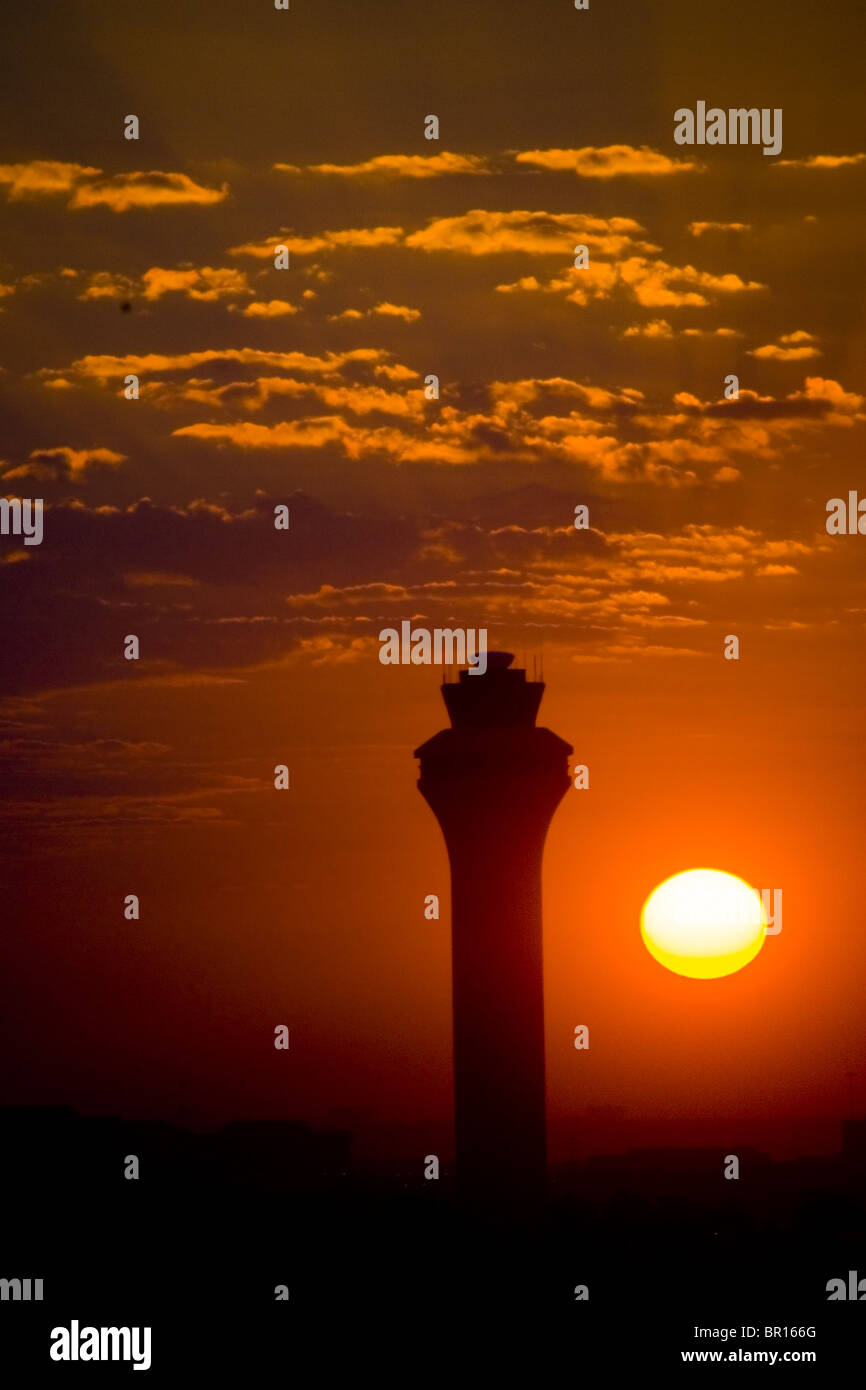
501	698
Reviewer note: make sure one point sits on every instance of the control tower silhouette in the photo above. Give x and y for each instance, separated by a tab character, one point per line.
493	781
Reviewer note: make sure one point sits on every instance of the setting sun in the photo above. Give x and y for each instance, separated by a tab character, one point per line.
703	923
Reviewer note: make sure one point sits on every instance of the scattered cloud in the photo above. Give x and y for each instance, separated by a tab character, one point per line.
822	161
483	233
775	571
318	431
363	237
699	228
355	398
204	282
107	284
608	161
790	347
410	166
64	462
43	178
660	328
269	309
652	283
121	192
105	367
195	282
385	310
48	177
656	328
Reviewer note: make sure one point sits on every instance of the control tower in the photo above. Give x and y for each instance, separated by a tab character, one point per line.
493	781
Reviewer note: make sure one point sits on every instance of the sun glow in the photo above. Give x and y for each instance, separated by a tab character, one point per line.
703	923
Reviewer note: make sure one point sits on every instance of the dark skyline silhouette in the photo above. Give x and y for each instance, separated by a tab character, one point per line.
216	1223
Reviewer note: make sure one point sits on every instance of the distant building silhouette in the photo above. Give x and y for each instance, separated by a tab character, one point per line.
47	1145
493	781
854	1142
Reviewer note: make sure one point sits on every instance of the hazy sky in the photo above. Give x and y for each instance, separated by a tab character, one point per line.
559	386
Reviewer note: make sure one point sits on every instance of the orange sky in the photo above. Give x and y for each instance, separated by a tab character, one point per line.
558	387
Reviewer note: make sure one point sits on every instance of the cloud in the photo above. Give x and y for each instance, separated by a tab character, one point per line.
505	595
656	328
149	579
653	283
288	434
205	282
822	161
395	371
711	333
699	551
614	433
120	192
64	462
699	228
526	282
477	233
353	594
531	420
294	402
791	347
316	432
411	166
356	398
762	426
483	233
105	367
105	284
608	161
397	311
543	391
386	310
327	651
269	309
195	282
365	237
660	328
205	586
825	392
43	177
